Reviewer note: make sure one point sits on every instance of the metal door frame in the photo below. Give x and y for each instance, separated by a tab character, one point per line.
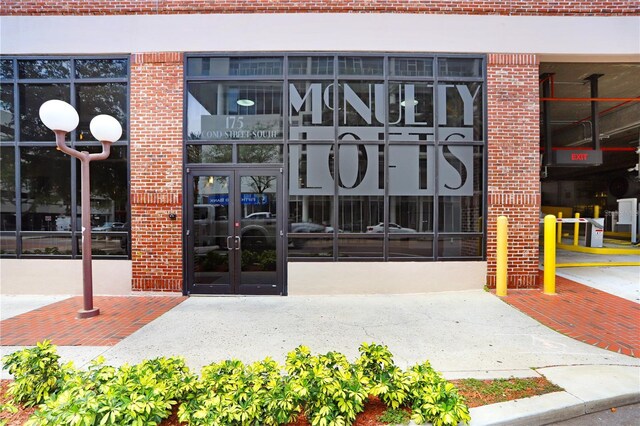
234	173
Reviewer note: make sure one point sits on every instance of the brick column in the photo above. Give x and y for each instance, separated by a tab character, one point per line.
156	170
514	164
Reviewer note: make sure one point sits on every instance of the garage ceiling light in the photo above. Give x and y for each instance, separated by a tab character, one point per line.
245	102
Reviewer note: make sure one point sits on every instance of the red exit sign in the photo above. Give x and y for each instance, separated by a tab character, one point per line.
577	157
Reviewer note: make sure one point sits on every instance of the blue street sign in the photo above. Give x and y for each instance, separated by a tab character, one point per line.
247	199
219	199
254	199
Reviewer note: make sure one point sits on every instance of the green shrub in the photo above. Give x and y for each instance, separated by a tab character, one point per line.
433	399
142	394
387	381
36	372
329	389
333	390
230	393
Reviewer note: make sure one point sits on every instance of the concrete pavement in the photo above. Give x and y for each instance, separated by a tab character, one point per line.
467	334
463	334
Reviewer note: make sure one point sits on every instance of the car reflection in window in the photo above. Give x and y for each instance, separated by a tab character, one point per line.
393	229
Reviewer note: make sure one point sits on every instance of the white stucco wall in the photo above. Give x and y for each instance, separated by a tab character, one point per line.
62	276
306	278
615	38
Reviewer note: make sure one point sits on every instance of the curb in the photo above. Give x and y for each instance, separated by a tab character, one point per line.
545	409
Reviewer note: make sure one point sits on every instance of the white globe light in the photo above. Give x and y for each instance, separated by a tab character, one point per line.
59	115
105	128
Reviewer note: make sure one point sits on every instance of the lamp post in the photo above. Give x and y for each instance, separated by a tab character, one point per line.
62	118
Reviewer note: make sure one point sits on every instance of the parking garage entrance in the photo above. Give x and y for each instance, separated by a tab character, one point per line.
234	231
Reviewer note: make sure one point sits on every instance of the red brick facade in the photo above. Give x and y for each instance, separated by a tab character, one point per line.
513	188
513	184
156	170
465	7
156	167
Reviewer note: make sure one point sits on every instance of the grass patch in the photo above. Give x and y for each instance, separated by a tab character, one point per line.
483	392
394	416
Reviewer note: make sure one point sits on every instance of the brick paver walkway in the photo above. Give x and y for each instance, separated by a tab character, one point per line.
119	317
584	313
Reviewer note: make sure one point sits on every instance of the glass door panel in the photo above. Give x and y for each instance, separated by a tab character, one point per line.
234	233
259	231
211	235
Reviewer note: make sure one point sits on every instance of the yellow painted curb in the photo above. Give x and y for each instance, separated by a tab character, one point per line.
595	264
604	250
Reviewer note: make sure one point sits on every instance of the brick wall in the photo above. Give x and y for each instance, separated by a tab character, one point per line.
466	7
513	158
156	170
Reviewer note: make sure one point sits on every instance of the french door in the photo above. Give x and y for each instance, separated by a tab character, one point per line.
234	231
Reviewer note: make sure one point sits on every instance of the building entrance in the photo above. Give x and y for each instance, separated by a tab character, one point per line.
235	231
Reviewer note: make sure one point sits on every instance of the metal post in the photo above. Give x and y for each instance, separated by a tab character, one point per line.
87	271
546	120
595	118
549	254
596	212
559	232
85	158
501	257
576	230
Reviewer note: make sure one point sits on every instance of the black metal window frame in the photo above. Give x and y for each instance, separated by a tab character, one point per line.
386	77
75	234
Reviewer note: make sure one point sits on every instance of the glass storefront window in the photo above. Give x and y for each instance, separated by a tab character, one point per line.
32	96
7	113
214	153
235	66
459	67
307	247
384	154
311	110
234	111
260	154
101	68
459	111
411	67
96	99
355	246
360	65
6	68
460	246
310	65
361	110
44	68
7	189
47	244
461	203
410	247
410	213
361	214
41	216
109	190
310	214
411	112
8	243
46	189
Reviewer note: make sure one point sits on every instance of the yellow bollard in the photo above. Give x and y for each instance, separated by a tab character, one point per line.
559	231
576	230
596	212
501	257
549	254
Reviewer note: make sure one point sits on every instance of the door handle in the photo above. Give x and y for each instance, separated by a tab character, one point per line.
237	243
229	243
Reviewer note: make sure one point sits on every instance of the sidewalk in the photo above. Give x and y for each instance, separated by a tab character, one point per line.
468	334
